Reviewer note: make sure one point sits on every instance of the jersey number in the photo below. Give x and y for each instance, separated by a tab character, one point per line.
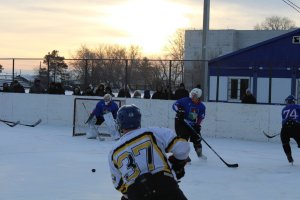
290	114
129	157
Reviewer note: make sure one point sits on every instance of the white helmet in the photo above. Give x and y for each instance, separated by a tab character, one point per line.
107	98
196	92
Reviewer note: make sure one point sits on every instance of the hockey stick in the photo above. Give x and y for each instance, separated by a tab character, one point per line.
227	164
10	124
33	124
99	134
270	136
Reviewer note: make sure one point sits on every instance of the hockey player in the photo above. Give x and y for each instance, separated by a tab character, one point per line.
191	110
103	107
138	162
290	126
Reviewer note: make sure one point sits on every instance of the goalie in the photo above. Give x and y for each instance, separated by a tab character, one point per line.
105	110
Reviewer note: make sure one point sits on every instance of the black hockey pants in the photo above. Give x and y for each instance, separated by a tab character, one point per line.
160	186
184	131
288	131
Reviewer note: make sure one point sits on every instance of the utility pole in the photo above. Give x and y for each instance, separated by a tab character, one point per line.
204	71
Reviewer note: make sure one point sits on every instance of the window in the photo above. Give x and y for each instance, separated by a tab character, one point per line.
296	39
237	88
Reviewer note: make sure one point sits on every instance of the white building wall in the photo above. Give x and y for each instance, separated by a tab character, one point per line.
240	121
262	90
281	88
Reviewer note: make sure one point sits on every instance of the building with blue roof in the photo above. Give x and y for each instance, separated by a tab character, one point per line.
271	69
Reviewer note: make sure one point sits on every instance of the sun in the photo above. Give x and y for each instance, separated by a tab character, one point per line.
148	24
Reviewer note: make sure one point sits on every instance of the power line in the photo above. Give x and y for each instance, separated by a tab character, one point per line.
291	4
294	4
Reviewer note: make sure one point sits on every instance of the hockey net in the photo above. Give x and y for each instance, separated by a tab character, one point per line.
82	109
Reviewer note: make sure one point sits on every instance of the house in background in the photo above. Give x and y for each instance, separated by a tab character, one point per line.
271	69
219	43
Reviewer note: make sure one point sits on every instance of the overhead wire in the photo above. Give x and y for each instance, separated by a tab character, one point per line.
292	5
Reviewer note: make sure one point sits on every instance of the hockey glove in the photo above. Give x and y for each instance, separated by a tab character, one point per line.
89	119
180	114
178	166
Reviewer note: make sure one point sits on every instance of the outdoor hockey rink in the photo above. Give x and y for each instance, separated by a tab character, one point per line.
47	163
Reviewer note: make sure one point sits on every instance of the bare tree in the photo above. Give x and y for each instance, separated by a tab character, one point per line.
175	52
275	23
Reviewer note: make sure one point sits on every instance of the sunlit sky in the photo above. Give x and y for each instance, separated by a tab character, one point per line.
31	28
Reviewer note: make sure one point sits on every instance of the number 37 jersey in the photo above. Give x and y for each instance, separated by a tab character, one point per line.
144	151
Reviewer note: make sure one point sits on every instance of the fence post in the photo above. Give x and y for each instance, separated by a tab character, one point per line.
270	84
170	72
48	72
86	74
218	83
126	71
13	69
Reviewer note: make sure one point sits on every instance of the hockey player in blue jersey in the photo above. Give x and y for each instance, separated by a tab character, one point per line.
104	106
139	163
192	110
290	126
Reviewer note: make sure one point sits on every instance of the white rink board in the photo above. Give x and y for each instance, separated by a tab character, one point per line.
230	120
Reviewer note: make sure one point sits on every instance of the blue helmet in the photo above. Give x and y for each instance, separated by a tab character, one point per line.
290	99
128	117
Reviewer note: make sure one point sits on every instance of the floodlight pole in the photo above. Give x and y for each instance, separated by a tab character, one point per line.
205	79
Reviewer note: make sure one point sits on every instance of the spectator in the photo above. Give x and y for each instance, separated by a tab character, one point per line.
137	94
159	93
169	93
124	92
76	91
147	94
59	88
100	90
248	97
51	89
37	87
16	87
108	90
88	91
181	92
5	87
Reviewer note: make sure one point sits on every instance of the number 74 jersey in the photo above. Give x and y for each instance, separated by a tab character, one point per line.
291	112
144	151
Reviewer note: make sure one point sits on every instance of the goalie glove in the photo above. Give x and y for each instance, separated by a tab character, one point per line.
89	119
178	166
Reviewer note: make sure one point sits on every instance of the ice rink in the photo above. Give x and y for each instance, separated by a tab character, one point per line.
47	163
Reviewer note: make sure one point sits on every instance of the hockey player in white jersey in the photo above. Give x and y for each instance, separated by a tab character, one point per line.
138	162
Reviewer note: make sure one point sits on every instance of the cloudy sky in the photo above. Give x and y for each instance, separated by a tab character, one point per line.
31	28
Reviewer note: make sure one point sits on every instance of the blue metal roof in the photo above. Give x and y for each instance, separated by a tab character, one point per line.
279	54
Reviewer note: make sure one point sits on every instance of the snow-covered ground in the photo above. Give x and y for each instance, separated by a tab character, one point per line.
47	163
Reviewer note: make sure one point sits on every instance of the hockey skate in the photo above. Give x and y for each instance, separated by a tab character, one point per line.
200	154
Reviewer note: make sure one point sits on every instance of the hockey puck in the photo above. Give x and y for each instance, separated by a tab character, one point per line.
93	170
